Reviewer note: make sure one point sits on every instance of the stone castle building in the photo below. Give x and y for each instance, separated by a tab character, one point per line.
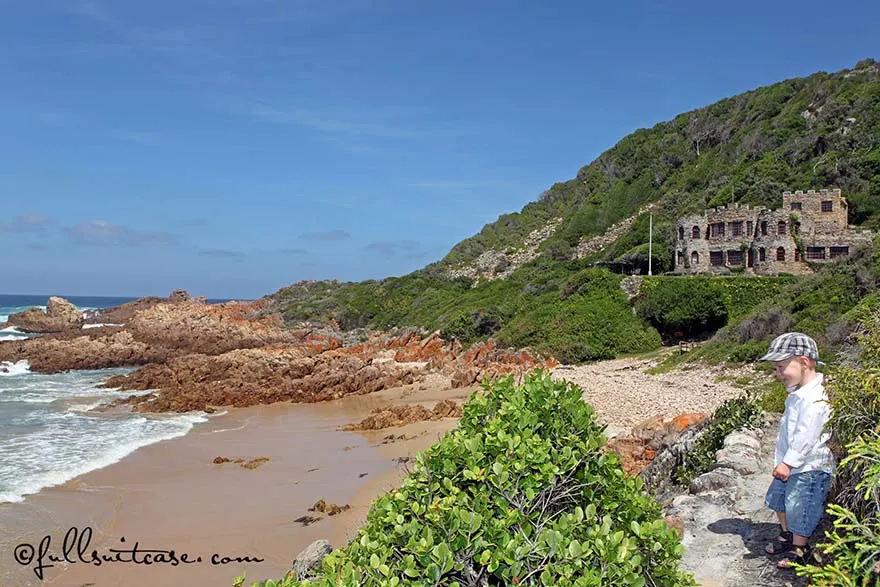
811	226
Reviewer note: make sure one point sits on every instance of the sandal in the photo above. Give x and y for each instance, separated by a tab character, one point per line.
800	556
782	543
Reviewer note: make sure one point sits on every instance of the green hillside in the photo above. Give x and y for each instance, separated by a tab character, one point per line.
814	132
805	133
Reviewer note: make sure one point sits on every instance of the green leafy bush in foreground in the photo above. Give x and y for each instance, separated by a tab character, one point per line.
521	493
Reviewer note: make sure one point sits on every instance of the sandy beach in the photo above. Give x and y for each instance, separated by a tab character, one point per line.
172	496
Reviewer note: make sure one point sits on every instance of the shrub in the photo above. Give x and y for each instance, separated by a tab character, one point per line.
675	306
734	413
581	328
748	352
772	397
469	326
523	492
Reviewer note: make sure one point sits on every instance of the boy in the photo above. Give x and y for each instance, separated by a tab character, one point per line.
804	462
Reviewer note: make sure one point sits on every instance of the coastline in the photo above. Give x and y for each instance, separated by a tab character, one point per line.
170	495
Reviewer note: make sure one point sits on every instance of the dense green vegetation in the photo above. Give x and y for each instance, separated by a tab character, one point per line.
695	306
813	132
521	492
566	309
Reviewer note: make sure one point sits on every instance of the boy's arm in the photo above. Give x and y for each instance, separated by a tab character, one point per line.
809	426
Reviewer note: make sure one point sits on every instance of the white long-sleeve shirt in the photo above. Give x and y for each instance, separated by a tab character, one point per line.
802	443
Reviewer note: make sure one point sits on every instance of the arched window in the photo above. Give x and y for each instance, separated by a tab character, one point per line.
780	254
680	233
762	254
780	227
695	232
680	258
695	259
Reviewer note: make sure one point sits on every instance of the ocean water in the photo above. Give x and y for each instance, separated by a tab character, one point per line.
47	434
12	304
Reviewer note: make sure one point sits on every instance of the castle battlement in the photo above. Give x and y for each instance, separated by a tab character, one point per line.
826	192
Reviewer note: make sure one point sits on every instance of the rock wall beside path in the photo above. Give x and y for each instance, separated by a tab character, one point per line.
725	522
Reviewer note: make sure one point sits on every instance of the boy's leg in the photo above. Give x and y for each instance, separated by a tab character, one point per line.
775	500
804	505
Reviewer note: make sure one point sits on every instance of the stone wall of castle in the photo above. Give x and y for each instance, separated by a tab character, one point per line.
811	226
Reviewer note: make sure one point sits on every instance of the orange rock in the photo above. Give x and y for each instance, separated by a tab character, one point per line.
400	415
684	421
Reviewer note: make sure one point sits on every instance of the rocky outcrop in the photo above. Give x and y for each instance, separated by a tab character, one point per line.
589	245
640	448
494	264
59	316
632	285
98	348
198	356
482	359
247	377
122	313
485	360
159	333
390	416
658	474
214	329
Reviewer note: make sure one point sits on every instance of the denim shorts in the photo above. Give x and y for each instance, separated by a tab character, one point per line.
802	498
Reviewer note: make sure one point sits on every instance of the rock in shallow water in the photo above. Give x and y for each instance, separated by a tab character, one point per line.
60	316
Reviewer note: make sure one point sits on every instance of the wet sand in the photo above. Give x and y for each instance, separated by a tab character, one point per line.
171	496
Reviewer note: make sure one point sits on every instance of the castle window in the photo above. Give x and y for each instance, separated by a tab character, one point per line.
734	258
750	228
736	228
797	206
815	252
827	206
781	229
764	228
780	254
762	254
695	259
717	229
680	233
680	258
695	232
716	258
839	252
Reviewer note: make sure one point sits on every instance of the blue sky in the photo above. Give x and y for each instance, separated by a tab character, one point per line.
231	147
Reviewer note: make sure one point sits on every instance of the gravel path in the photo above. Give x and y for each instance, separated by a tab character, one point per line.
624	395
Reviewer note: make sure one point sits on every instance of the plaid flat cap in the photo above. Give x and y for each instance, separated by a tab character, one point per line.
792	344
